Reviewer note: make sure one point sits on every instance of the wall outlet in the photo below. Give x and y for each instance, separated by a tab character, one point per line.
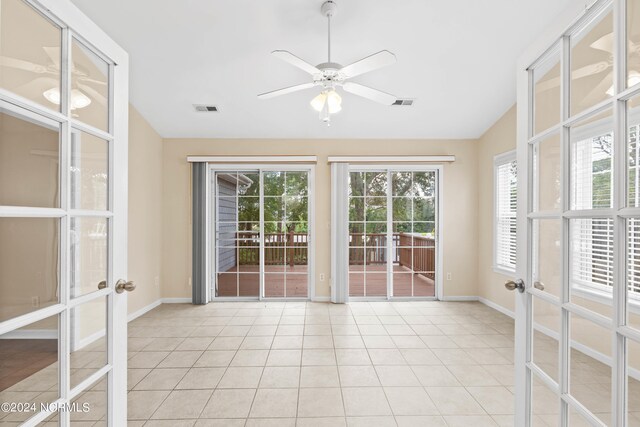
448	276
156	281
35	302
322	277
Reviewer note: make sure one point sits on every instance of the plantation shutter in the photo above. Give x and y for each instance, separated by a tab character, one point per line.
506	202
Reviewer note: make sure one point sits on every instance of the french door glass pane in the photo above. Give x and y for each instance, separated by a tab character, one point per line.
545	405
633	42
89	171
545	348
546	174
546	253
91	404
29	167
633	272
29	368
633	150
30	52
29	265
88	342
591	149
89	87
633	382
590	379
591	64
546	93
89	254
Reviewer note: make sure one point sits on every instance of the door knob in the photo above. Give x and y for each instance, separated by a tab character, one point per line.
538	285
517	284
102	284
123	285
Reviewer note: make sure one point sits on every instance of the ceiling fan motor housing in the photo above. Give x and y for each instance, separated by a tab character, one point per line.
329	8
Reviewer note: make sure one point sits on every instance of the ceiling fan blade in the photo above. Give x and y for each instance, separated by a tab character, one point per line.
586	71
604	43
285	90
93	94
94	81
19	64
54	55
296	62
369	93
597	92
370	63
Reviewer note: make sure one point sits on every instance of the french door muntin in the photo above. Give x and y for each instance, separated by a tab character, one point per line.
389	245
570	308
74	295
262	221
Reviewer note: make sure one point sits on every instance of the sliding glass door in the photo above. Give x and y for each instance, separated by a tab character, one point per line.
393	232
261	241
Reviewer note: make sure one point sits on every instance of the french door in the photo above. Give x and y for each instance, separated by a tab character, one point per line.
63	218
261	222
578	305
393	232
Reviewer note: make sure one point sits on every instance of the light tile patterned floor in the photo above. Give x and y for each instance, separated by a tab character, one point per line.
317	364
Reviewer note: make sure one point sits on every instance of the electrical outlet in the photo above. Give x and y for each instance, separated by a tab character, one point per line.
35	301
448	276
322	277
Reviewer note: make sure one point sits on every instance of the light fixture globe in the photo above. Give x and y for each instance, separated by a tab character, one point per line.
78	98
317	103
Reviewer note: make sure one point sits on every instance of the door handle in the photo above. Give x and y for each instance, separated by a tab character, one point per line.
123	285
538	285
102	284
517	284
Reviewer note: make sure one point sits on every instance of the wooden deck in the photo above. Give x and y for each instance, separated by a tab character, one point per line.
246	282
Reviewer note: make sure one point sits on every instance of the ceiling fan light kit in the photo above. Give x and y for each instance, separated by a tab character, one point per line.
330	75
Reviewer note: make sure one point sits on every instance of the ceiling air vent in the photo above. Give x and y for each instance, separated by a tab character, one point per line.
407	102
206	108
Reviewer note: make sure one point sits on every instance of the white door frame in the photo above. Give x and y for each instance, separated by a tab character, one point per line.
577	14
211	219
439	170
75	24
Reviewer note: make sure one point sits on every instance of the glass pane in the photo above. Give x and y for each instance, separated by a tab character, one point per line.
376	228
591	145
29	259
275	255
633	272
88	255
376	281
356	258
424	209
89	171
297	183
633	147
376	208
402	227
89	87
591	261
546	353
297	259
248	259
29	365
545	405
402	183
402	281
590	379
248	184
424	184
547	255
546	96
402	209
356	184
29	166
30	52
273	209
591	64
273	283
88	339
546	174
90	406
633	45
356	234
297	284
249	284
633	382
376	183
356	209
273	183
227	283
249	209
356	284
297	208
426	229
424	284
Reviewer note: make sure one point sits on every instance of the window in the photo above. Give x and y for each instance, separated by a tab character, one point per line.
505	184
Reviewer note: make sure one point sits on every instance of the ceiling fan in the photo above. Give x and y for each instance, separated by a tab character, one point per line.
605	44
330	75
81	94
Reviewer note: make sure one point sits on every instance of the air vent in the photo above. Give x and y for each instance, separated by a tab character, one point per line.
407	102
206	108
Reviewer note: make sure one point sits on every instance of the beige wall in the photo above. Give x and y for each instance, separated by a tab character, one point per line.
460	201
145	211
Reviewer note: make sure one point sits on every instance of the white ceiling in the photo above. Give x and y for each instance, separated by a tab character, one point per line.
457	58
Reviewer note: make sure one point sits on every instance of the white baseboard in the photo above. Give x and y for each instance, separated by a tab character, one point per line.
31	334
175	300
459	298
144	310
321	299
497	307
87	340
